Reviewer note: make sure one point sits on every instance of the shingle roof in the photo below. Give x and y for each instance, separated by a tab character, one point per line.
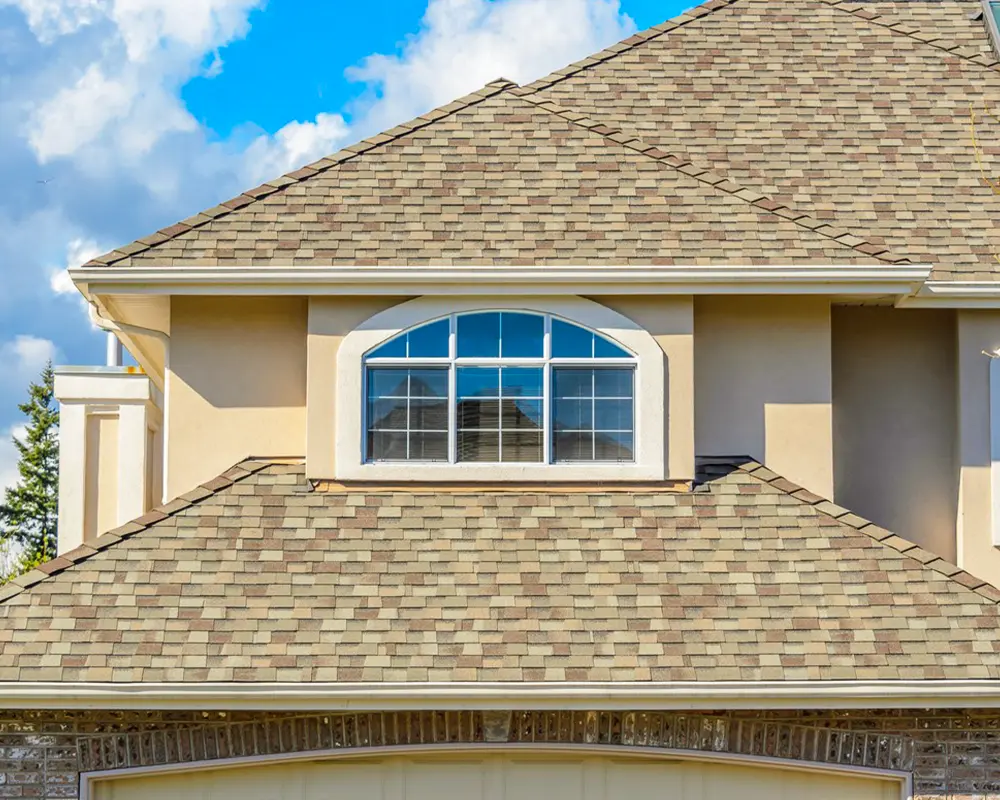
849	125
256	577
505	179
858	117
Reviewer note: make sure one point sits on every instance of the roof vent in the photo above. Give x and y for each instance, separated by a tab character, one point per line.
991	12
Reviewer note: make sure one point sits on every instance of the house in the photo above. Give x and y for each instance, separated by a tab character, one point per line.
635	432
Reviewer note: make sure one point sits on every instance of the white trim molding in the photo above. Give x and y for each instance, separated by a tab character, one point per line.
650	416
525	696
876	280
639	753
995	446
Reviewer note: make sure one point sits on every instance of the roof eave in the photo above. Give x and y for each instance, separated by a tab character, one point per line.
955	294
878	279
690	695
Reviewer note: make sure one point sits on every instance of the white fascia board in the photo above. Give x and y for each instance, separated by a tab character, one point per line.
995	447
694	695
878	279
955	294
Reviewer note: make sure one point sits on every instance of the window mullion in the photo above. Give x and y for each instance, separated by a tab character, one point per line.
452	392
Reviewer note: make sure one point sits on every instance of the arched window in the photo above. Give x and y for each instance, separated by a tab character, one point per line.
500	387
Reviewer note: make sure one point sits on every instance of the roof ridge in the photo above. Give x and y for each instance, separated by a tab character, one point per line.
877	533
857	9
64	561
633	41
349	153
706	175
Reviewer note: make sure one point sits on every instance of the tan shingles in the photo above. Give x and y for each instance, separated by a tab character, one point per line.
856	120
736	580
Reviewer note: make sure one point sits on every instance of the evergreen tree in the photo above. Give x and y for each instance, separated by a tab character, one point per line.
29	510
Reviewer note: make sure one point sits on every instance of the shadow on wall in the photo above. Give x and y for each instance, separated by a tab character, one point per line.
894	420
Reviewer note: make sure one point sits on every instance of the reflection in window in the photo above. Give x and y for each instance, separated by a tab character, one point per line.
500	387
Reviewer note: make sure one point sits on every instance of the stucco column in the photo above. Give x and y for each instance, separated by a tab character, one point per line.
72	474
978	331
133	461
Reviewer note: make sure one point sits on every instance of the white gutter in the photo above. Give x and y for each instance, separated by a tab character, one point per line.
878	279
956	294
719	696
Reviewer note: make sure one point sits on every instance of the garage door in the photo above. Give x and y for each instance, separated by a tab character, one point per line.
506	777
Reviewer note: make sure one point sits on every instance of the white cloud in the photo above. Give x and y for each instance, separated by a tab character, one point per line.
127	97
23	357
464	44
50	19
78	252
296	144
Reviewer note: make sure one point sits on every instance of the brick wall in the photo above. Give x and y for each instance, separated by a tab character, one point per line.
955	754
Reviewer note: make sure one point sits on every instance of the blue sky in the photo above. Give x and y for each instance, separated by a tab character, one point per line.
118	117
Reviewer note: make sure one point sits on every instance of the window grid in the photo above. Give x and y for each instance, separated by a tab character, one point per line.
548	365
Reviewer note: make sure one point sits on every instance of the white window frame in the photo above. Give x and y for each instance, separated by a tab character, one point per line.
649	389
453	362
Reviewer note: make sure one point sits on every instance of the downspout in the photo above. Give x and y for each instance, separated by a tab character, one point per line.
123	327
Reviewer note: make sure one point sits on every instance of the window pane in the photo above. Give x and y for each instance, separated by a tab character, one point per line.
522	414
481	414
613	382
387	446
573	446
387	414
574	415
573	382
479	335
388	382
614	447
394	348
523	447
593	416
571	341
478	382
407	414
429	383
522	335
429	415
605	348
430	341
482	446
429	446
613	415
521	381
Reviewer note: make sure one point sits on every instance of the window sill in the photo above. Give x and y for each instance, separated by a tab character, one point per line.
535	473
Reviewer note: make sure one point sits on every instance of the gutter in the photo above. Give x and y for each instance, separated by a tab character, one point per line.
681	695
880	279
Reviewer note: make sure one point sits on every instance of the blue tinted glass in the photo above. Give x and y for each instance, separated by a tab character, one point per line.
388	383
428	383
613	415
394	348
522	381
430	341
573	382
613	383
605	348
571	341
478	382
479	335
522	335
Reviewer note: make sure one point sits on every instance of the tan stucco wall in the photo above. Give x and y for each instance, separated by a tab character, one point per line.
670	320
763	384
894	422
237	384
977	331
101	504
330	320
